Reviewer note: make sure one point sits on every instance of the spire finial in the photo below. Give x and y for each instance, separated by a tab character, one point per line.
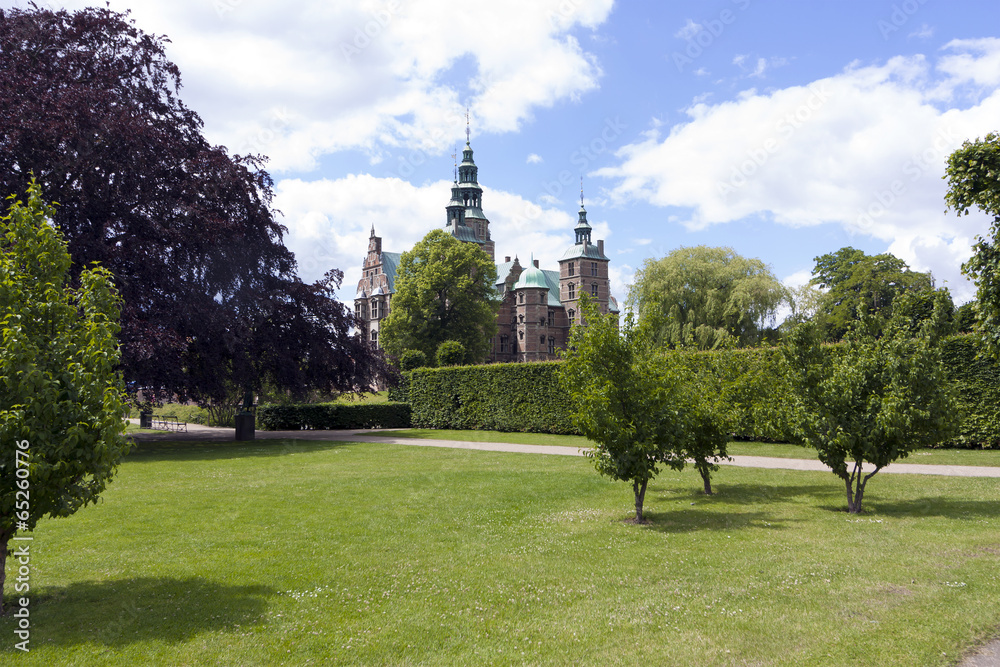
468	132
373	230
581	192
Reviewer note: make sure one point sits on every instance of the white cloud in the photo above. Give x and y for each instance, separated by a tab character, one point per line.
797	279
924	32
368	74
688	30
864	149
534	158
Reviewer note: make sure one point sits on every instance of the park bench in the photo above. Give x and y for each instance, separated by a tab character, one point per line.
168	423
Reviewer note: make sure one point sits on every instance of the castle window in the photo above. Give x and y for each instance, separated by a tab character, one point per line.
572	316
571	269
552	345
572	290
504	343
552	318
541	339
593	268
593	289
520	297
375	311
375	337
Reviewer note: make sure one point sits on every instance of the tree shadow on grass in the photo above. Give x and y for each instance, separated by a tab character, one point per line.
121	612
691	510
156	451
692	519
749	494
940	506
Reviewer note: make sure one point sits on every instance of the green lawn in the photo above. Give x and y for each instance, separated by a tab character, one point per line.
966	457
297	552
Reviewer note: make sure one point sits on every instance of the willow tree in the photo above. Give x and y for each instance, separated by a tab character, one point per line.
708	297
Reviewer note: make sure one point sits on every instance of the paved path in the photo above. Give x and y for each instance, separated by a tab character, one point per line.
197	432
986	656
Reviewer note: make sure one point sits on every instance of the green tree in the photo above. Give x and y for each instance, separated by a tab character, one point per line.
634	402
973	175
857	284
61	399
708	297
871	400
445	290
411	359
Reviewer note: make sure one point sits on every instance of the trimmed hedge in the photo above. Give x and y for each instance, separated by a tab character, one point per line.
526	397
977	379
497	397
332	416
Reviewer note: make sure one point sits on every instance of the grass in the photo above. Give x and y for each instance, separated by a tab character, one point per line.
966	457
297	552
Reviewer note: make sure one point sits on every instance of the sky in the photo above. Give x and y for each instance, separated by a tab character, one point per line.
783	129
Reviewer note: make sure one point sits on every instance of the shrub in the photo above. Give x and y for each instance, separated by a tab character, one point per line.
450	353
411	359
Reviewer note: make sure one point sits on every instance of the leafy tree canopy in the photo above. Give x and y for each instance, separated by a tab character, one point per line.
872	400
210	299
445	291
973	175
639	406
61	399
858	284
707	297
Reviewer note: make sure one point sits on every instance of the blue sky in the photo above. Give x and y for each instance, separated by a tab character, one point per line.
782	129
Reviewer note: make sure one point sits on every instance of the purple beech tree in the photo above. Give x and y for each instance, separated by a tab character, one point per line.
211	303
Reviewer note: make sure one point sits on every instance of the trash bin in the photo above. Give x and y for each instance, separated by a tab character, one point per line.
245	426
145	420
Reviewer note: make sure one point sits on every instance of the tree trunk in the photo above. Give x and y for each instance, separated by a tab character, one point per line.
850	497
640	495
706	476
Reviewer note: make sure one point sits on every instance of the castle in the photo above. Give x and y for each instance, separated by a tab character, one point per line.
538	305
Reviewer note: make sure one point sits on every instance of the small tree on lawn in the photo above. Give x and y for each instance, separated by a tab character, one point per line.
631	400
61	399
872	400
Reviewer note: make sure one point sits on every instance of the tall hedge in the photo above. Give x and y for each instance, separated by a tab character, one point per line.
497	397
527	397
977	378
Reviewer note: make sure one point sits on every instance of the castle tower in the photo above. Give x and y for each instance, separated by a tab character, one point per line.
466	220
373	298
584	269
531	298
